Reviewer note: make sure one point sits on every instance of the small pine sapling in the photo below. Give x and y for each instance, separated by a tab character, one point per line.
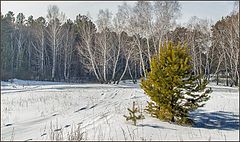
133	114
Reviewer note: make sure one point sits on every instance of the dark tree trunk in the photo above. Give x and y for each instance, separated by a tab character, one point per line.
227	80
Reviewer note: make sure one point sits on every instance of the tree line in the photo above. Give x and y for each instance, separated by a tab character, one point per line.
114	48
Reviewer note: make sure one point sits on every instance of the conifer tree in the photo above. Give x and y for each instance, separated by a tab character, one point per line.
133	114
172	87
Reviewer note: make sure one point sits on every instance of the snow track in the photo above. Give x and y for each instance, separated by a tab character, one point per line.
33	110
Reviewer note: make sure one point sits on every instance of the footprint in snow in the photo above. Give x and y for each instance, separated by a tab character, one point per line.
66	126
80	123
8	124
54	114
80	109
93	106
57	129
114	96
43	134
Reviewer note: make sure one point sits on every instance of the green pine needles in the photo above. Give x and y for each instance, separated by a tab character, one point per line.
172	87
133	114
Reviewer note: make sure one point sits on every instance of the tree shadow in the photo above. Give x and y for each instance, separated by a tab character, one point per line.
215	120
154	126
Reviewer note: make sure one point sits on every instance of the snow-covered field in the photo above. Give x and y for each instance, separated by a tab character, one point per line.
34	110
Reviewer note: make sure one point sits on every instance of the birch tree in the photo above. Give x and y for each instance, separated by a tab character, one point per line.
127	51
143	14
68	48
86	33
200	44
165	13
135	32
226	39
29	29
120	25
39	45
54	32
20	41
104	26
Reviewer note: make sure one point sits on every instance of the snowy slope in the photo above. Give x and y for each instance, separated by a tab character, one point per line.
35	110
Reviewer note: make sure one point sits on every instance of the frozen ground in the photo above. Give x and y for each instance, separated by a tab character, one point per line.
34	110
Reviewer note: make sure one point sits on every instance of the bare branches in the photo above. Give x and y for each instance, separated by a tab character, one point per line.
118	46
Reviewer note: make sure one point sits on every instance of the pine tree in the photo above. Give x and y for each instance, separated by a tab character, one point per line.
133	114
172	87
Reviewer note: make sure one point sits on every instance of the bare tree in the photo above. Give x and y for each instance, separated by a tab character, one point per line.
231	34
120	24
20	39
143	23
226	38
38	43
165	13
135	30
86	33
104	25
200	44
68	48
55	19
127	52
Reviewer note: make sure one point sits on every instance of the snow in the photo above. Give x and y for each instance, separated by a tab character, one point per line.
37	110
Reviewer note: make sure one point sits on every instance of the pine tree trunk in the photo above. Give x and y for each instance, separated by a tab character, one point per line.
227	79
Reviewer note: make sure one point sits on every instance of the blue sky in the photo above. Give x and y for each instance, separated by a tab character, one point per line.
203	9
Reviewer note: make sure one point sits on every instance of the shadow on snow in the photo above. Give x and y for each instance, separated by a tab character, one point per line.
215	120
154	126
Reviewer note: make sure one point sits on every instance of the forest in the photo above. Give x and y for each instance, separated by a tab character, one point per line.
115	47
